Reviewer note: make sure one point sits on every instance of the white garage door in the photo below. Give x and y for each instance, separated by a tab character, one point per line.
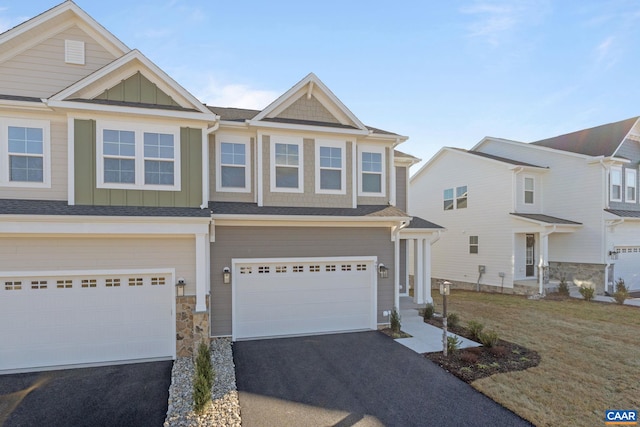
303	296
66	318
627	266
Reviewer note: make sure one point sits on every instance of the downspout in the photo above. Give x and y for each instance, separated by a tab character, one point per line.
396	262
205	163
611	224
514	185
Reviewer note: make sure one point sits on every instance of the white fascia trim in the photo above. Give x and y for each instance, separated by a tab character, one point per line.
232	124
418	233
396	139
308	128
24	105
560	228
87	106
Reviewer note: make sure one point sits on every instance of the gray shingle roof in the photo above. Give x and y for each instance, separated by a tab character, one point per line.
133	104
418	223
20	98
547	219
504	159
60	207
242	114
624	213
238	208
598	141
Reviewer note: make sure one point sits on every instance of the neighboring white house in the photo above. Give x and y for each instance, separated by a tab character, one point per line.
519	214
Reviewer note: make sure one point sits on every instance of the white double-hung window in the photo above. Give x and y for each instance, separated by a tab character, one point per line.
330	167
630	184
372	171
25	153
287	162
232	165
615	184
138	157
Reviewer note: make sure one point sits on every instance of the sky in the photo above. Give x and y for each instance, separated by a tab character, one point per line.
443	73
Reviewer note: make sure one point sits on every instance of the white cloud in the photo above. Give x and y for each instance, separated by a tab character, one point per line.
494	21
607	52
236	95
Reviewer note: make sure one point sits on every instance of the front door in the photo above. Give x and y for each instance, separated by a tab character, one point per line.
530	255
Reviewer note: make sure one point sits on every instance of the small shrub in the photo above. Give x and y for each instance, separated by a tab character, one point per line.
587	292
489	338
498	351
428	311
395	320
621	293
453	320
495	365
563	288
202	378
475	328
453	344
482	366
469	357
466	369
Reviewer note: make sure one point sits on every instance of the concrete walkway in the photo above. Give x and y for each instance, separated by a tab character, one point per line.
425	338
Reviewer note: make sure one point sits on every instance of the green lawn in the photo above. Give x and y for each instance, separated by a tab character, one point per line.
590	355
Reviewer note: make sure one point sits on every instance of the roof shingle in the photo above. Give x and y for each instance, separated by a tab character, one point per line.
239	208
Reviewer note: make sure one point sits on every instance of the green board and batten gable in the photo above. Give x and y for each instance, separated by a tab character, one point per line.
87	193
138	89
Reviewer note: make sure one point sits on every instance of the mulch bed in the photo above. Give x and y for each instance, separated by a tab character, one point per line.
479	362
395	335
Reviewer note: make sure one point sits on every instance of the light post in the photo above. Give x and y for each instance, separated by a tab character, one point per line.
445	288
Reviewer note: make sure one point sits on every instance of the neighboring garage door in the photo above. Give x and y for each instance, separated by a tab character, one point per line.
67	318
627	266
303	296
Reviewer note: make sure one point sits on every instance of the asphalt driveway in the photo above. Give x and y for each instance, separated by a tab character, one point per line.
122	395
363	379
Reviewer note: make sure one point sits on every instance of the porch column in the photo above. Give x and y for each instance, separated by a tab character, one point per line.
396	273
426	263
544	262
418	296
202	240
406	267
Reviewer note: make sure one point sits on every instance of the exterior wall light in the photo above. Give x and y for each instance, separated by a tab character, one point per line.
226	275
180	287
613	254
383	271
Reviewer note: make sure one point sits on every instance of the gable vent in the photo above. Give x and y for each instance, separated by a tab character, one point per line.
74	52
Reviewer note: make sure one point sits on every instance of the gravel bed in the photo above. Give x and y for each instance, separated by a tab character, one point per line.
224	409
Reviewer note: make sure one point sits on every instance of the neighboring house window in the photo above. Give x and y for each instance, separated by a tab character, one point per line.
448	199
330	167
461	197
615	177
473	244
25	153
286	164
528	190
233	171
630	185
372	171
132	157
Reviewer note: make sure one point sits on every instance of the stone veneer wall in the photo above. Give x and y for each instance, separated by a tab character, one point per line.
591	275
468	286
191	326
